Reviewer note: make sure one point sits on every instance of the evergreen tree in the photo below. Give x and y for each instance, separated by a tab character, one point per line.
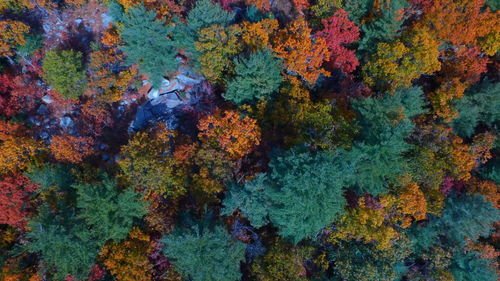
108	212
204	14
66	246
64	71
51	175
257	78
384	28
147	43
357	9
205	254
301	194
464	217
70	234
377	157
471	266
481	104
356	261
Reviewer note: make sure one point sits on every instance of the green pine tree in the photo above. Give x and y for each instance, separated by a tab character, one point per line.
257	78
205	254
147	43
481	104
301	194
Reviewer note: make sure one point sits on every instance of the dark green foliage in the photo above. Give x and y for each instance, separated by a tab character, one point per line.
464	217
65	244
491	171
252	14
370	168
33	43
108	212
493	4
257	78
356	261
68	238
51	176
301	194
384	28
204	14
471	267
147	43
377	156
481	104
357	9
383	118
204	254
64	71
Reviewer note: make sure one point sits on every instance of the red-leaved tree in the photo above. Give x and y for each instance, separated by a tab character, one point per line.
338	33
15	191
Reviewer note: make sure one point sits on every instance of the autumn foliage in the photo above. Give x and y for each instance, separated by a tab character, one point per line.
267	140
15	193
230	132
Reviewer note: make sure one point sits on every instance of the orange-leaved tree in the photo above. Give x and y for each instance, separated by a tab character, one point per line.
301	53
67	148
230	132
15	191
17	148
11	36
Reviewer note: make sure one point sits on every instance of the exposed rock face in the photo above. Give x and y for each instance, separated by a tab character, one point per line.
166	103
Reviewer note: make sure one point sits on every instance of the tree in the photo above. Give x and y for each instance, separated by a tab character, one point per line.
205	13
355	261
69	233
470	266
147	43
262	5
338	33
64	71
412	204
17	149
71	149
15	192
459	22
301	54
146	163
324	8
128	260
281	262
464	217
396	64
217	44
109	212
299	119
257	35
385	27
367	224
65	244
480	105
104	80
301	194
19	94
13	35
357	9
257	78
228	131
377	157
205	254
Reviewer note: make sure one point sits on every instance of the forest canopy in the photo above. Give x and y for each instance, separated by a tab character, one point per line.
252	140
